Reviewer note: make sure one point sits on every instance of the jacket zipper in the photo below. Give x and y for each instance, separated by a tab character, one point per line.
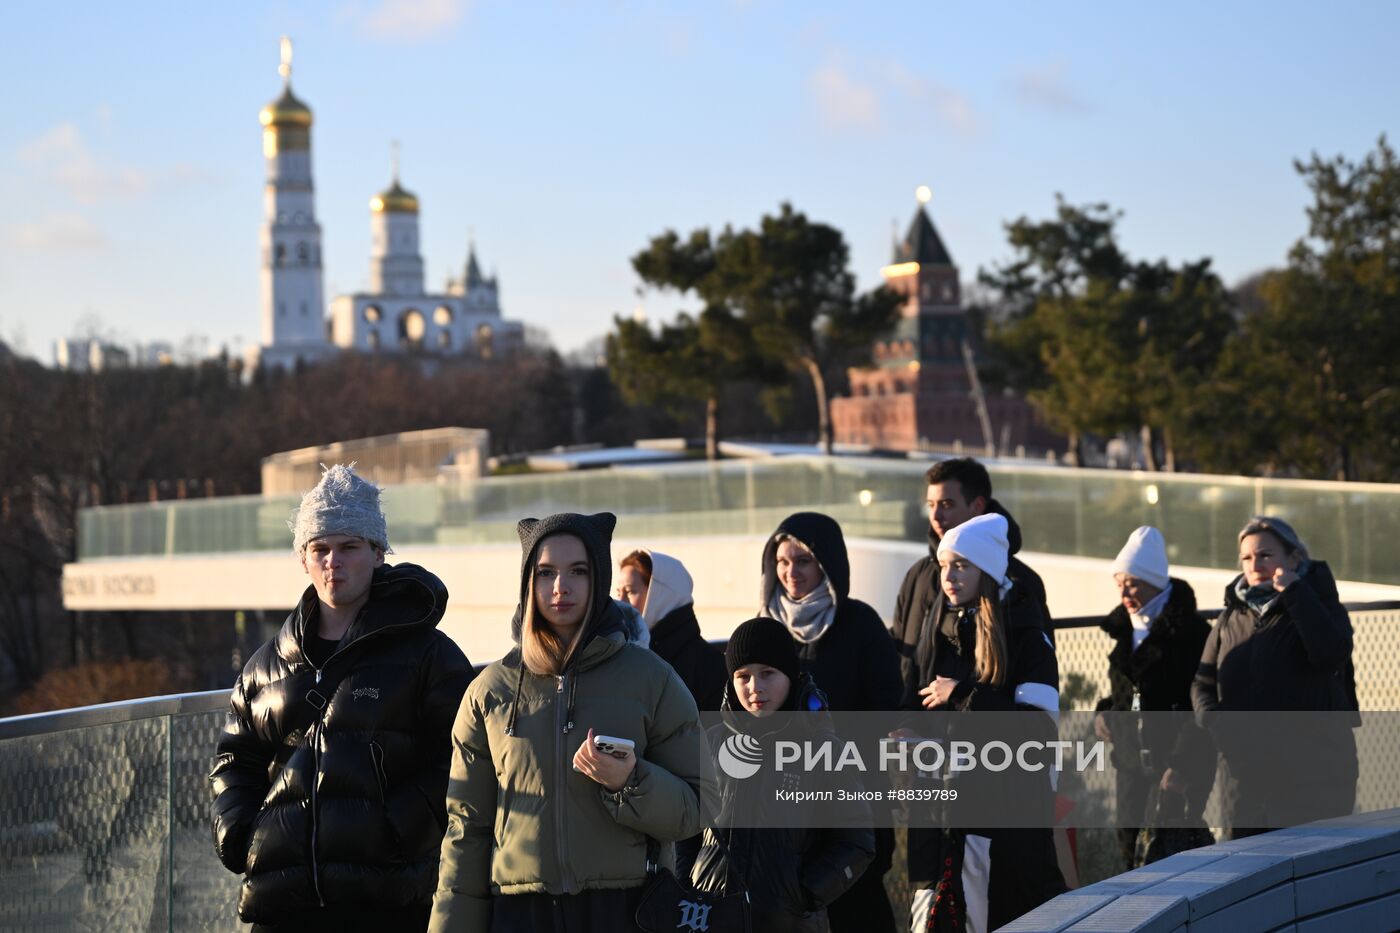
316	768
562	774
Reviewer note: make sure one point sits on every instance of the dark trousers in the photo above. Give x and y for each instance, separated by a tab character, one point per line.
353	920
865	907
591	911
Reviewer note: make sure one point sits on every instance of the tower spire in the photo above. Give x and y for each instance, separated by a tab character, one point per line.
285	68
394	159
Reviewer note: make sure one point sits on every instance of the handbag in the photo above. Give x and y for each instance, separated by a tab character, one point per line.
670	903
1157	841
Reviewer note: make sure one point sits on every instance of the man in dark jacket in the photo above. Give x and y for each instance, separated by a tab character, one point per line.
845	648
1157	637
956	491
331	775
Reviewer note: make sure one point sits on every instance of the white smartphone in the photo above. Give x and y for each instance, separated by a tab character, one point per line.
612	745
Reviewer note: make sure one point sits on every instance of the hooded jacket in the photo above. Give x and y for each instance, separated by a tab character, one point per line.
854	661
675	632
791	874
328	784
1296	655
520	819
922	584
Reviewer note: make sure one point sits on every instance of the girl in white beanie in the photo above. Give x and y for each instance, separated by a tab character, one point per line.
986	649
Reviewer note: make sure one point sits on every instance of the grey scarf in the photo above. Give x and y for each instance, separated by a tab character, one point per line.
1261	597
807	618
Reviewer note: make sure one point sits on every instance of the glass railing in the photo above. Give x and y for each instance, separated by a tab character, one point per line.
104	811
1089	513
104	819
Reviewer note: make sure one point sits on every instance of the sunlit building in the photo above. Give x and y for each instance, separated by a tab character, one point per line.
396	313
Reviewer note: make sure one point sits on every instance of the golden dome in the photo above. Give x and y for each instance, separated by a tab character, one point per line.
286	111
395	200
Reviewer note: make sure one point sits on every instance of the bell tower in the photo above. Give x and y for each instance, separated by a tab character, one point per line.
293	312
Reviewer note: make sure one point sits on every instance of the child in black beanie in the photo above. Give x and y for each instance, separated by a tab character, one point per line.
789	873
763	669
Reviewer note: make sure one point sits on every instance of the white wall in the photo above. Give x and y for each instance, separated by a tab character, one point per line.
483	582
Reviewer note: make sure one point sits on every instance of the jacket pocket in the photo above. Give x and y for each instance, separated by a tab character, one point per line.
376	754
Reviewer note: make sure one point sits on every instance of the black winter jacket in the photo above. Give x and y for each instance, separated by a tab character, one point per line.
922	584
677	639
791	874
330	786
1296	656
1033	678
1023	872
855	660
1160	672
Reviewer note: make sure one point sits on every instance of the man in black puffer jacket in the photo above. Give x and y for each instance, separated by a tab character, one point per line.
331	775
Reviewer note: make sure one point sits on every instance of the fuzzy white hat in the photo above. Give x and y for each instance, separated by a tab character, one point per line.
981	540
341	504
1145	557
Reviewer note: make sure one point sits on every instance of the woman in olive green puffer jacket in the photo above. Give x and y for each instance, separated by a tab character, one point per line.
543	831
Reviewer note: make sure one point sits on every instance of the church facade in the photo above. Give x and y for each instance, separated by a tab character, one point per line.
396	313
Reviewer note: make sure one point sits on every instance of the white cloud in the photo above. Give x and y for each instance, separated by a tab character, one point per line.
408	20
1048	87
843	102
950	106
861	104
57	232
62	157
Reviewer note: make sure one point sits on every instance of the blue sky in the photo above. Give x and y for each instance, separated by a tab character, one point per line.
565	135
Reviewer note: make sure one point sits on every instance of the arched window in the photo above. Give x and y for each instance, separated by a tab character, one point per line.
372	314
412	327
303	253
279	254
444	340
442	317
484	348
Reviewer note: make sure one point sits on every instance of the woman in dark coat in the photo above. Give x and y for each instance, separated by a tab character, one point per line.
1157	637
843	646
792	873
660	588
988	651
1283	643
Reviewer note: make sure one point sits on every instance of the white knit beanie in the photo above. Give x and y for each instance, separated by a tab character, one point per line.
1145	557
981	540
341	504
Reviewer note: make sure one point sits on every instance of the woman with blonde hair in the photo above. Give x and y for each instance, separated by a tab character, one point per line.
568	756
983	648
1283	643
